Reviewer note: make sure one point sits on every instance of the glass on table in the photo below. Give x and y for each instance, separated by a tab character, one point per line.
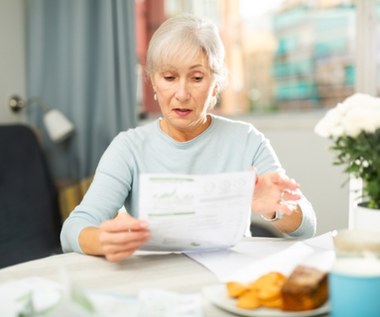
354	281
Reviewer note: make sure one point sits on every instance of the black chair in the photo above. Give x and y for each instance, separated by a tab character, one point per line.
259	229
29	210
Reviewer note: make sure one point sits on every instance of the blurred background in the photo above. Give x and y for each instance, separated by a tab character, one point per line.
289	62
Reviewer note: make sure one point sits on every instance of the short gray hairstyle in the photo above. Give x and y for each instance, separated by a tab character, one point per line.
182	38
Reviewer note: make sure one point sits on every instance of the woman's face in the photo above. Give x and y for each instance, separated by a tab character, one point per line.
184	93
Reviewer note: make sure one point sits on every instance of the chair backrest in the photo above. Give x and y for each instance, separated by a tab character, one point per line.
29	212
260	229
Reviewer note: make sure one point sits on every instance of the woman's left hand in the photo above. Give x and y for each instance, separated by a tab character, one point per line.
274	192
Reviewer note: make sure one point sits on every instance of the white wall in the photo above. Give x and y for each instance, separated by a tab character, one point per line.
12	57
307	159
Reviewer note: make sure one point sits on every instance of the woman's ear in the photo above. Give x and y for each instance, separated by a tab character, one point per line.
152	83
215	90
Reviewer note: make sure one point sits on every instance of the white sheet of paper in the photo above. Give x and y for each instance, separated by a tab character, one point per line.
196	212
252	258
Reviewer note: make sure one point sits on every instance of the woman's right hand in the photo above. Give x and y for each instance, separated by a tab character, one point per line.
116	239
122	236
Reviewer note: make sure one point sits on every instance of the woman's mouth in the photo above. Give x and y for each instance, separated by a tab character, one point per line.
182	112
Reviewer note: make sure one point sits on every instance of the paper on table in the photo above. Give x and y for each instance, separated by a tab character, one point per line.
196	212
245	262
163	303
36	296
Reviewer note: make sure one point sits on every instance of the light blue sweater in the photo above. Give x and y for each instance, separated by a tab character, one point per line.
226	146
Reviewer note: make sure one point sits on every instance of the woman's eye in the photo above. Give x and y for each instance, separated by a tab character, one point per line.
198	78
169	77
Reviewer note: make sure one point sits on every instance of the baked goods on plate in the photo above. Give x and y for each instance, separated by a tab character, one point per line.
273	294
305	289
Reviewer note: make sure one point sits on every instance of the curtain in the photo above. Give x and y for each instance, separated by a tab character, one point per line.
81	60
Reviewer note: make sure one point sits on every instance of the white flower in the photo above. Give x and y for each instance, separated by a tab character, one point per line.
359	100
359	112
330	125
361	119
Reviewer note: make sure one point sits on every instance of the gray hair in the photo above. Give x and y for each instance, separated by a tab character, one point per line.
182	38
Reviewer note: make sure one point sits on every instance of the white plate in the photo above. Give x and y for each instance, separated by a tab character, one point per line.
217	294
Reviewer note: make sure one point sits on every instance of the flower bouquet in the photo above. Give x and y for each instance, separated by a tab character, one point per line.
354	128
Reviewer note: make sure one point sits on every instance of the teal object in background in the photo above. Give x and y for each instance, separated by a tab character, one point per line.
349	72
290	17
297	90
354	296
313	63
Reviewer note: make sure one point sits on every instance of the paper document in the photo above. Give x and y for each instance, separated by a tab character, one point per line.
257	256
163	303
196	212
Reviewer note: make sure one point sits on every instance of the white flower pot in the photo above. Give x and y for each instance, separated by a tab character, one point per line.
366	218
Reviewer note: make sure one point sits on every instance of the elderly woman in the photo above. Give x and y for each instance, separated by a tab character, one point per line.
185	63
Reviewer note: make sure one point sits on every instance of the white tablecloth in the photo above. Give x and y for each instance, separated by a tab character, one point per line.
144	270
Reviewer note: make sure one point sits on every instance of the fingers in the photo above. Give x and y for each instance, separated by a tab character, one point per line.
119	256
288	201
122	245
284	182
288	187
289	195
122	236
287	207
128	239
275	191
124	222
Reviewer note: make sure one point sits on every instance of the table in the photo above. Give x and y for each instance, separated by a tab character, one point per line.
170	271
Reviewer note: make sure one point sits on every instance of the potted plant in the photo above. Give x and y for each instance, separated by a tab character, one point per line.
354	128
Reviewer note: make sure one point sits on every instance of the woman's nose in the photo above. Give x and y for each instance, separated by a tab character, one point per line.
182	92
